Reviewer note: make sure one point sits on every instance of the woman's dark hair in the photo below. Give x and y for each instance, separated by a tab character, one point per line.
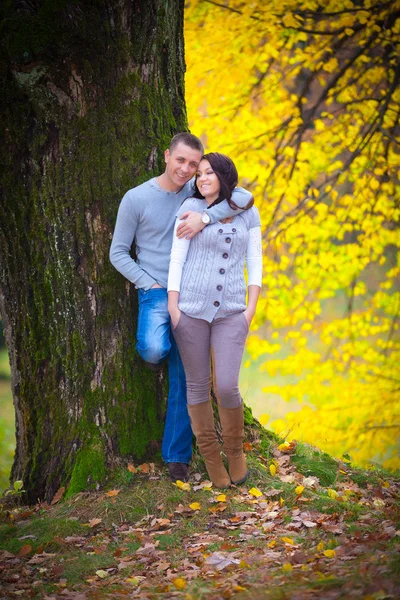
227	174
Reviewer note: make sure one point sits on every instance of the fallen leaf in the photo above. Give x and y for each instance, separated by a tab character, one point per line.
283	446
132	468
179	583
182	510
378	503
112	493
219	508
309	524
287	568
160	524
182	486
37	559
94	522
195	506
320	547
287	478
273	492
204	485
247	447
58	495
310	481
161	566
102	574
299	557
299	489
255	492
272	469
144	468
25	549
329	553
288	447
288	540
332	494
221	498
221	561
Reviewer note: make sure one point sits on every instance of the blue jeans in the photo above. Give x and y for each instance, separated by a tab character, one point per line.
155	343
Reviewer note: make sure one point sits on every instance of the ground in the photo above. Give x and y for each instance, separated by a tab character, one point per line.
303	526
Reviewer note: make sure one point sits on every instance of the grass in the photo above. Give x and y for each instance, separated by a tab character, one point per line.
43	533
312	462
76	568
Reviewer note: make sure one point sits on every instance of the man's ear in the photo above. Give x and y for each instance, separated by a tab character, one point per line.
166	156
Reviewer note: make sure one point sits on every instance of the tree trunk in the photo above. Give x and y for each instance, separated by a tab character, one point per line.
91	94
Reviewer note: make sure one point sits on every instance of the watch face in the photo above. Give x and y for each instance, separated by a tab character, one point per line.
205	218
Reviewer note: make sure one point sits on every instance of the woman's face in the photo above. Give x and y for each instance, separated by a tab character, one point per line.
207	181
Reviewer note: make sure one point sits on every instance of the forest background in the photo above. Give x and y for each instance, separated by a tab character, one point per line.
307	105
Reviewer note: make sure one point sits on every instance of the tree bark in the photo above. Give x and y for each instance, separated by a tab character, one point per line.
90	96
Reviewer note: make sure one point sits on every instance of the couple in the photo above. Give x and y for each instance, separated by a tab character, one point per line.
210	225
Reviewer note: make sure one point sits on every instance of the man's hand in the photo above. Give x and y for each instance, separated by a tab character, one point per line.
190	226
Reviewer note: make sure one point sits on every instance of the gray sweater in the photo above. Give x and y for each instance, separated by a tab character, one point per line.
146	216
213	284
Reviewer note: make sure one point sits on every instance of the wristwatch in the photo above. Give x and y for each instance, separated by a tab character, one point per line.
205	217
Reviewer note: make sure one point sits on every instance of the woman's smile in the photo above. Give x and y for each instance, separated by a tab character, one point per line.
207	181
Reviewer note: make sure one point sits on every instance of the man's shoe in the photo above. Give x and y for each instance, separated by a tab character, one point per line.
178	471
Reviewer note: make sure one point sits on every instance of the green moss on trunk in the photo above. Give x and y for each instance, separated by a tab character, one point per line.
89	469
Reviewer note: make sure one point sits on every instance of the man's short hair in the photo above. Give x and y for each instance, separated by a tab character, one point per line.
188	139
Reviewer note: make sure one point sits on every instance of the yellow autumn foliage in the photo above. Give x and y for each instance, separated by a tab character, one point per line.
305	99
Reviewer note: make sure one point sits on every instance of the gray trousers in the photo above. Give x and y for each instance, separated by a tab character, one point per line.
222	342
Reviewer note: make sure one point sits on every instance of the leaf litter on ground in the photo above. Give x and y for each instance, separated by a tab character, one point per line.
261	536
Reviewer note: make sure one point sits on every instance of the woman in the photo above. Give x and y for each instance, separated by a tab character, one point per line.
210	317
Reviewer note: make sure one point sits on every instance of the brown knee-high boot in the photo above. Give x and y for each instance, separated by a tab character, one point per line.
232	421
202	420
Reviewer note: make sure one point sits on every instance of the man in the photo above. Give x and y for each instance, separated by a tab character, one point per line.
147	216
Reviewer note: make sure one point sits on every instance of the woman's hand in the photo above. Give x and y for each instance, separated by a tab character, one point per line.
175	315
249	314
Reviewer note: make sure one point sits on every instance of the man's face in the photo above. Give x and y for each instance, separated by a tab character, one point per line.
181	164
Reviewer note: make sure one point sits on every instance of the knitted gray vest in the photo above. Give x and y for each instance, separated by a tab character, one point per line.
213	284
